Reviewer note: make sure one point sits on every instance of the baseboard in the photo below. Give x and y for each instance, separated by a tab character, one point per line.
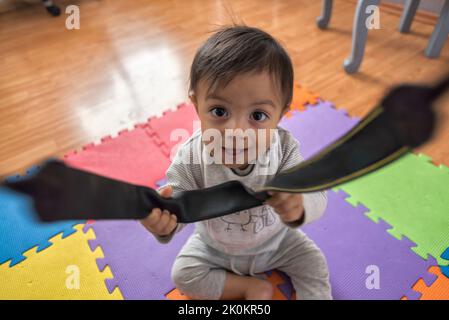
421	16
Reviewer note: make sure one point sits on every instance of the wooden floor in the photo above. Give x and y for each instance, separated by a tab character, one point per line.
61	89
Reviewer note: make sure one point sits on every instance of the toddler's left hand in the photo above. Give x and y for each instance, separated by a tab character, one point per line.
289	206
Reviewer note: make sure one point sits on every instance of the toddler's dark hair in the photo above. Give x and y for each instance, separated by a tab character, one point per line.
238	49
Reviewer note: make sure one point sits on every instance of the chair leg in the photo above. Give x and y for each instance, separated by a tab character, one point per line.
326	12
439	34
408	14
51	8
359	35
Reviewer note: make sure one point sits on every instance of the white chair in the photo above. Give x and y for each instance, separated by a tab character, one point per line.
360	31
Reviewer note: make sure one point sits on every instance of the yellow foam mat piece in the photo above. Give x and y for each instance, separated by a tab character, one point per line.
65	270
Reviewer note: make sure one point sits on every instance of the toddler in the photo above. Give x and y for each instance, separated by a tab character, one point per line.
241	81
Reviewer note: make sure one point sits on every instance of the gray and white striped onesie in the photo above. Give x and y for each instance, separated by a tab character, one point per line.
251	241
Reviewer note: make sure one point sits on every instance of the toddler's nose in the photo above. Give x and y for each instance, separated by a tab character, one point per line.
236	123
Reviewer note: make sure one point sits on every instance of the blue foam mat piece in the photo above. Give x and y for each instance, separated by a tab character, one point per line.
21	229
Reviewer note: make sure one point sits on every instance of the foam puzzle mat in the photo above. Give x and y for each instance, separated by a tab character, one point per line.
20	230
49	273
419	211
383	235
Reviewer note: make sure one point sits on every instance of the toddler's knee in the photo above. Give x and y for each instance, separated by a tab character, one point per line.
315	265
186	277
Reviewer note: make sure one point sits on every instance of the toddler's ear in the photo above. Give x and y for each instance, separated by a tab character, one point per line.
193	99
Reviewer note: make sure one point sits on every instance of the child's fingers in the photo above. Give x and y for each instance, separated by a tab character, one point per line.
291	202
278	199
274	201
166	192
171	225
164	220
287	207
154	217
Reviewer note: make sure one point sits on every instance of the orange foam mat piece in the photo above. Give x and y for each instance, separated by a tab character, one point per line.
439	290
275	279
301	98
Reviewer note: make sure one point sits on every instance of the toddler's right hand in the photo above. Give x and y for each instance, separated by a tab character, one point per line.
160	222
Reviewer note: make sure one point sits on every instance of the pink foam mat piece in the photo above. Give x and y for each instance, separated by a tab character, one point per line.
174	127
132	157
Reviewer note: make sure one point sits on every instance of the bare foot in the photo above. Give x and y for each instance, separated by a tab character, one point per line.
259	290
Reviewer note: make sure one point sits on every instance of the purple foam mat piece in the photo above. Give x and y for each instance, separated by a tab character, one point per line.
351	243
140	264
318	126
161	182
287	287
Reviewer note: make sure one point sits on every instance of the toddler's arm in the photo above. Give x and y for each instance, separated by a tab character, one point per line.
180	176
314	203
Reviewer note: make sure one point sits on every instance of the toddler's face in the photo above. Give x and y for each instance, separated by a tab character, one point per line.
250	102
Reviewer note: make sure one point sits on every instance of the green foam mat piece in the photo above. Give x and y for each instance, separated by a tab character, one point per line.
412	195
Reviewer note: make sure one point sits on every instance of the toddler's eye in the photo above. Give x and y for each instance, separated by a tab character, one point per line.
218	112
259	116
